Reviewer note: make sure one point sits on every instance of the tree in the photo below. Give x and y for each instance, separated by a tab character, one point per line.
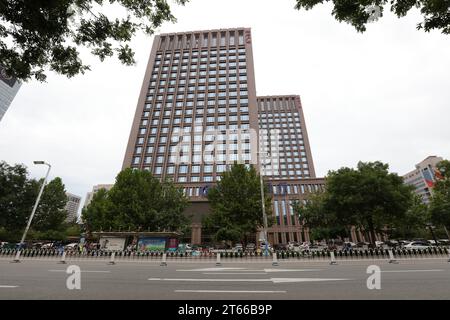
50	213
436	13
414	223
236	205
17	196
368	197
322	222
138	201
40	34
173	203
96	216
440	201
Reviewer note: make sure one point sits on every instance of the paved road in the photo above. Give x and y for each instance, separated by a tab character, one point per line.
420	279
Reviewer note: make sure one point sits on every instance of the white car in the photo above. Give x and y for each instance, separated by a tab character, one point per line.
71	246
238	247
47	245
417	245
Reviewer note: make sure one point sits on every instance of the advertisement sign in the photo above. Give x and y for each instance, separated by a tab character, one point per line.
112	243
172	244
151	244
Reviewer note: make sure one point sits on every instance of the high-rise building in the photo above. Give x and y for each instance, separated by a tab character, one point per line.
287	163
95	189
197	114
8	90
424	177
72	206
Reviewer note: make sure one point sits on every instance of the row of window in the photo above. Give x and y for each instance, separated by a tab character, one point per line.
198	40
195	157
196	53
201	95
188	120
229	78
193	66
278	104
213	87
199	112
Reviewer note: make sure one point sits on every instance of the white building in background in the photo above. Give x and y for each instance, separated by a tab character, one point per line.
8	90
423	178
95	189
72	206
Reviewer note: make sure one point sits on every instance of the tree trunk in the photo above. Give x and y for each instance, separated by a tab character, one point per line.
372	232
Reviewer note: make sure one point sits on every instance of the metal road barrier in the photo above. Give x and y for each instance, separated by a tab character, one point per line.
63	256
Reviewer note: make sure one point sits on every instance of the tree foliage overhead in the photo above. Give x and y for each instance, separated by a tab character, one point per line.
36	35
236	205
139	202
436	13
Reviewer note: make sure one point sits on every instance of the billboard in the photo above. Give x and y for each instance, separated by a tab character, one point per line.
151	244
112	243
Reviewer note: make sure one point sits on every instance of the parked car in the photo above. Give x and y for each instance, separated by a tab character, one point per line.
293	246
444	242
281	246
47	245
71	246
417	245
238	247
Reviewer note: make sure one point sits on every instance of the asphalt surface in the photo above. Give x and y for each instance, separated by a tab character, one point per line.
46	279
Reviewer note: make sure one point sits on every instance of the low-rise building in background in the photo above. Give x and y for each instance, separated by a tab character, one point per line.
423	178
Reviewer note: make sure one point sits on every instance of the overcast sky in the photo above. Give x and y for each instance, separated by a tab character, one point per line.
382	95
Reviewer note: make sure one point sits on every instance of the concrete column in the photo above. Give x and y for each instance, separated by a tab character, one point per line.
307	235
353	235
196	235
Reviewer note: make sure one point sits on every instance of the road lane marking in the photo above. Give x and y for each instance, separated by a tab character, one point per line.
91	271
4	286
213	269
429	270
243	270
230	291
290	270
274	280
234	273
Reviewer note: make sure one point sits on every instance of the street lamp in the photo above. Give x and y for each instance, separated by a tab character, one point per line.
430	225
16	259
263	211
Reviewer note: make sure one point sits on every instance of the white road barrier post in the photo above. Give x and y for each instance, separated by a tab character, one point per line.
164	260
63	258
112	258
17	257
274	259
218	264
333	258
391	257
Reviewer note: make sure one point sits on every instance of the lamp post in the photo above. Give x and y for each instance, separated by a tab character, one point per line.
429	225
16	259
264	214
